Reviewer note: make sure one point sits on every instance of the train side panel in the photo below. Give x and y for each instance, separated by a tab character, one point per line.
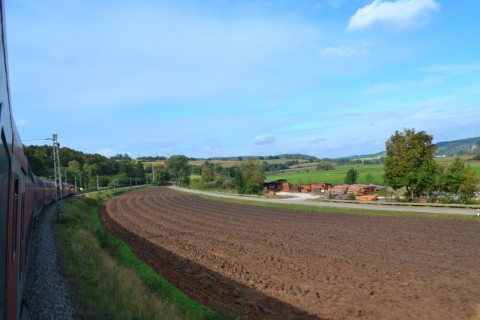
22	197
5	167
16	239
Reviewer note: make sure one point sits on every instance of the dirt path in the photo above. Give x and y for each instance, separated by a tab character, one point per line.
281	264
300	198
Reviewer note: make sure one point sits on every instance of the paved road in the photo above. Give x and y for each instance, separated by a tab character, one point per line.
472	210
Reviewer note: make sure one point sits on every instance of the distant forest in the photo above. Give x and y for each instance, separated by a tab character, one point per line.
456	148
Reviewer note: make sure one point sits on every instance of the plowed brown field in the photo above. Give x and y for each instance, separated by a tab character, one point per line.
280	264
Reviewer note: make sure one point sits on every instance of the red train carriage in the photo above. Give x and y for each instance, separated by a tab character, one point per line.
22	197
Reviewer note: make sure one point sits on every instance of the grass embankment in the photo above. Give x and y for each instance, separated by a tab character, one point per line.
107	280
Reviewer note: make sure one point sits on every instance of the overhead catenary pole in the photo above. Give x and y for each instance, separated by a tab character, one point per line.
58	178
153	173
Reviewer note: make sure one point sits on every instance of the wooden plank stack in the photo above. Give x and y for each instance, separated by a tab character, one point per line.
355	189
371	197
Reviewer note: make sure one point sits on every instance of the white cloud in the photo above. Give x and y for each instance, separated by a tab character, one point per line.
264	139
22	123
211	149
399	15
107	152
333	147
333	52
455	68
381	88
313	139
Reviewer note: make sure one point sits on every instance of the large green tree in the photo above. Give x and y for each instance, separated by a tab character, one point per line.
250	177
179	169
409	162
459	180
162	176
208	175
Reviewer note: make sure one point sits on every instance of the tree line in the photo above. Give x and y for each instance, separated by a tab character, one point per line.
245	178
92	171
86	171
409	165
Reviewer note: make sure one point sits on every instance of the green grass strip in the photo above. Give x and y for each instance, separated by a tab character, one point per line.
107	279
119	249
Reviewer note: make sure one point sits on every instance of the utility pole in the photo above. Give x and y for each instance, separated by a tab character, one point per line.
153	173
58	179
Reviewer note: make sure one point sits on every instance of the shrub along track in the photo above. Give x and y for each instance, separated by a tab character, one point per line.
281	264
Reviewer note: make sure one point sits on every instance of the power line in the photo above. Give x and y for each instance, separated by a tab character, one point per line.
37	139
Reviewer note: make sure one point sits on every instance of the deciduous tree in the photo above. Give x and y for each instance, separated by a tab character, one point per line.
179	169
351	176
460	180
207	174
250	177
409	161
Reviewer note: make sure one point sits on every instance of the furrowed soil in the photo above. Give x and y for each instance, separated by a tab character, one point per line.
281	264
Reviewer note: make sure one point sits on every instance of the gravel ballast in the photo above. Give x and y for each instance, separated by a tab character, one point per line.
46	293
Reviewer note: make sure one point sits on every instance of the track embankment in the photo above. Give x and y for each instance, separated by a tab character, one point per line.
46	292
281	264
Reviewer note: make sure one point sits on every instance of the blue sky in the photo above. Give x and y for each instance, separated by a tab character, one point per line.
207	78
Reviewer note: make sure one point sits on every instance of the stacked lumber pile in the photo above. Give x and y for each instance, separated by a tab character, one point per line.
320	187
306	188
295	188
357	190
340	189
371	197
361	189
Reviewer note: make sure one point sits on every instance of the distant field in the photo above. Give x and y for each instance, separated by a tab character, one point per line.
336	176
475	166
305	172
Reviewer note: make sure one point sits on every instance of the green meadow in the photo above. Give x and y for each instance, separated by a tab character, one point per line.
337	176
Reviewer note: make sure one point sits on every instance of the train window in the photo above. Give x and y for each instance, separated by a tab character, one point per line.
22	243
15	217
4	201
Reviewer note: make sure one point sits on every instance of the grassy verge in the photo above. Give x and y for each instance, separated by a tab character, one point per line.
107	280
321	209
